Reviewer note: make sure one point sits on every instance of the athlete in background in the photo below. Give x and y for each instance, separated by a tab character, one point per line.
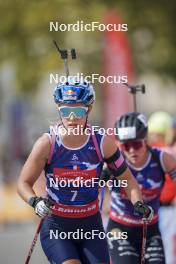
148	165
162	133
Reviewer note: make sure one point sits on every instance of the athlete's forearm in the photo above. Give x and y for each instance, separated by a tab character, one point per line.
33	168
25	191
132	190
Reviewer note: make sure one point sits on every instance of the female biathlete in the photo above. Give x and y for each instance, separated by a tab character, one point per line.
71	226
149	166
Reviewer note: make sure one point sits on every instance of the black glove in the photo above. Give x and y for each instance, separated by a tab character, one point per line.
143	210
42	206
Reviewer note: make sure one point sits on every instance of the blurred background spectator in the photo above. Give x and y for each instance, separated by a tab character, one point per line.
162	135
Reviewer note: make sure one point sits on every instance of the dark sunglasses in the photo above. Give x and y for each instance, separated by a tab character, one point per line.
135	144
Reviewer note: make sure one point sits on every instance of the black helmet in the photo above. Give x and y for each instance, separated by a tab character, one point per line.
131	126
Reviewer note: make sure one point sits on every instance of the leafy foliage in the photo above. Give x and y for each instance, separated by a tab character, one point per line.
27	42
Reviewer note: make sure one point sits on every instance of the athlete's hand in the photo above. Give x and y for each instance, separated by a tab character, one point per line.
143	210
42	206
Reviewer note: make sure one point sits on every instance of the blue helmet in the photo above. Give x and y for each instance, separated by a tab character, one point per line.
76	92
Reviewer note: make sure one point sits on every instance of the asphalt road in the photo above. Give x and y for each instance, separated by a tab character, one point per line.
15	242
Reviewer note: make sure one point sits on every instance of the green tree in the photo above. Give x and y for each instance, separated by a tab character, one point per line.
27	42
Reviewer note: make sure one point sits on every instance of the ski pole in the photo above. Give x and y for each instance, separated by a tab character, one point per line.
133	89
34	241
102	197
50	203
144	238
